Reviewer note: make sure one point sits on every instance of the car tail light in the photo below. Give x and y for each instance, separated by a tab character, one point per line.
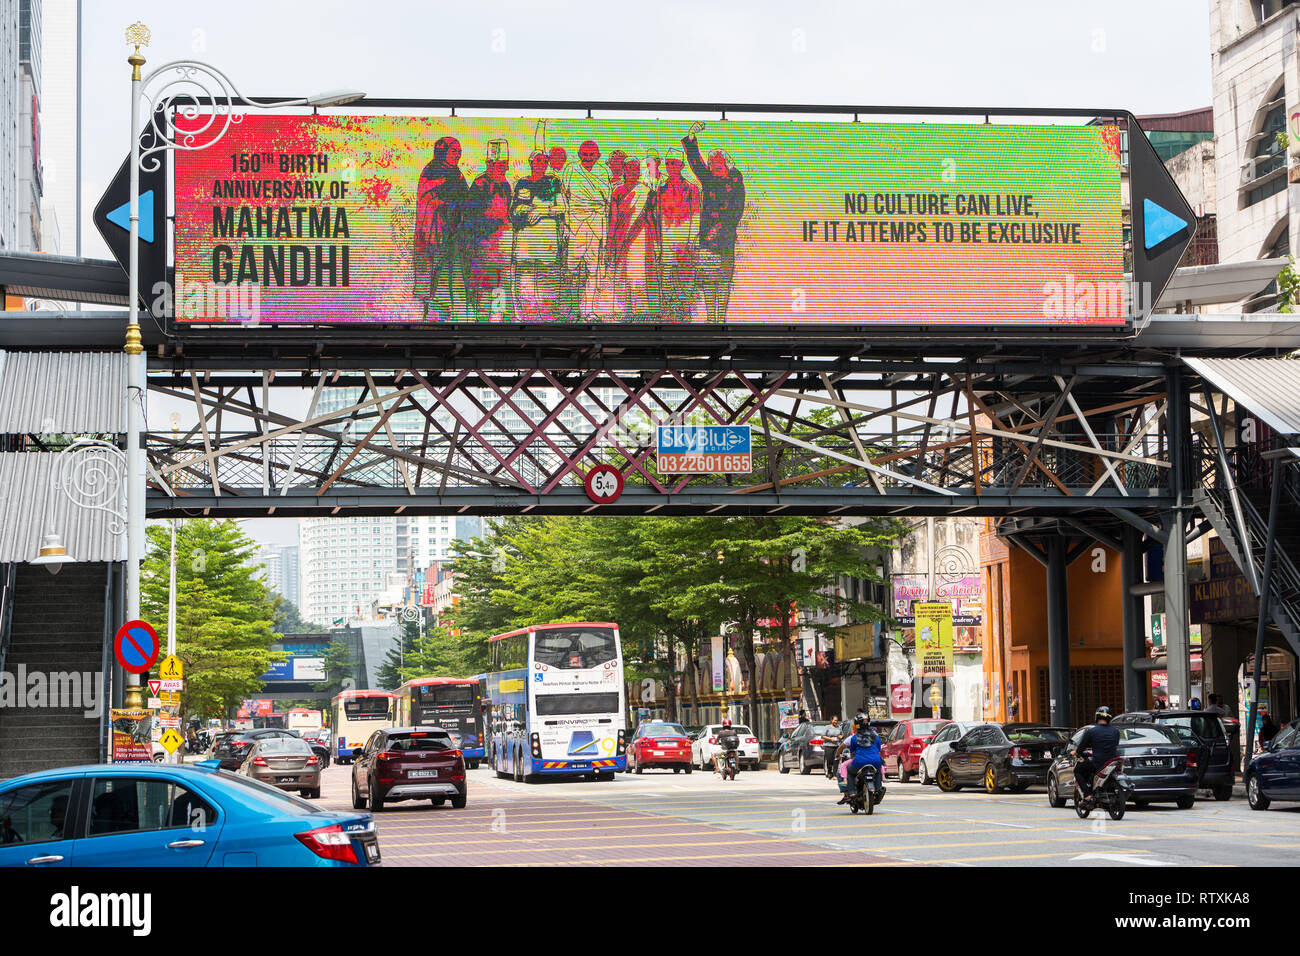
816	742
313	760
1191	760
751	740
259	761
1018	753
389	755
329	843
713	740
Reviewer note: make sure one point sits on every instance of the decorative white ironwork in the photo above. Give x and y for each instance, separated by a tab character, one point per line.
94	478
193	91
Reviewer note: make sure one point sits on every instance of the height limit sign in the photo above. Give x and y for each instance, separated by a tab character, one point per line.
603	484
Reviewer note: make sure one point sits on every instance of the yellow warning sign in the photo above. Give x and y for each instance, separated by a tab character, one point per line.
170	669
170	740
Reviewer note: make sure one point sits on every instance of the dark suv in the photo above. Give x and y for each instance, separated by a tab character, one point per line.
408	763
1205	732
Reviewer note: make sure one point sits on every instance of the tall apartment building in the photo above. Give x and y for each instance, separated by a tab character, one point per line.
9	115
1255	69
60	110
281	564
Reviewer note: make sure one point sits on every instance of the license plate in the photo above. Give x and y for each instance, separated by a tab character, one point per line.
1157	762
372	852
657	753
285	779
422	773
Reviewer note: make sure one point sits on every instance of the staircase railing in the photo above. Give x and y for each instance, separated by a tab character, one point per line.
8	576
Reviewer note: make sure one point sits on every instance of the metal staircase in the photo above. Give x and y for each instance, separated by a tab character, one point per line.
1284	601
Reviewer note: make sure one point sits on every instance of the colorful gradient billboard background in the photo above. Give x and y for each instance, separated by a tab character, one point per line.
430	220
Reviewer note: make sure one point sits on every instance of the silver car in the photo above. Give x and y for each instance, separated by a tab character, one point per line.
284	762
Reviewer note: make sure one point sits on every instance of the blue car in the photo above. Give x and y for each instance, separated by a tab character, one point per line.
1275	774
172	815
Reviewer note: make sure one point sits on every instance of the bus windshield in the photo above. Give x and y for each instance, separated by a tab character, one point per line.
365	708
447	694
575	648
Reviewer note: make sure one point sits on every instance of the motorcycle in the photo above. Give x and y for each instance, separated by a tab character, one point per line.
730	764
1110	790
865	796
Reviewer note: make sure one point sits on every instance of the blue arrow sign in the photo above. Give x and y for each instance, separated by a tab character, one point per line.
1158	224
121	216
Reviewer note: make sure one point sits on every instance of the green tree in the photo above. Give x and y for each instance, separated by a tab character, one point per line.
224	611
288	619
340	669
389	675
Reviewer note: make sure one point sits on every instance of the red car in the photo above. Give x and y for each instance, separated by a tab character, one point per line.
901	751
659	744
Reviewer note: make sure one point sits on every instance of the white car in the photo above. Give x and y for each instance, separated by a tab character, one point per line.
943	740
704	745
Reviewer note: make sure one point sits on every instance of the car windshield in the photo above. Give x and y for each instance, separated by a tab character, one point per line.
1205	726
418	740
283	745
820	730
921	728
1049	735
268	794
1148	736
664	730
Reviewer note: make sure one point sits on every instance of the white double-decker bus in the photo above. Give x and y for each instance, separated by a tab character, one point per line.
555	701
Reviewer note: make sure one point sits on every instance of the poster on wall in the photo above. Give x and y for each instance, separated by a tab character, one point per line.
788	712
132	741
439	219
900	698
909	589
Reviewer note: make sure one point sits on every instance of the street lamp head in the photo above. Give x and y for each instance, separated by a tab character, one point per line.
335	97
52	554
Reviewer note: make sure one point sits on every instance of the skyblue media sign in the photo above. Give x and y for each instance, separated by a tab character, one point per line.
705	450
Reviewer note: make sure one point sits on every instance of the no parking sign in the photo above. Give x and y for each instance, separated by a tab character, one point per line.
136	647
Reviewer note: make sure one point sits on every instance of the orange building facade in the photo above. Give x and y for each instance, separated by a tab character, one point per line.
1015	635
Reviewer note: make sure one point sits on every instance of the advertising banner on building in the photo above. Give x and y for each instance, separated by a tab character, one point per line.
856	642
132	740
716	658
309	668
900	698
433	219
909	589
964	592
934	638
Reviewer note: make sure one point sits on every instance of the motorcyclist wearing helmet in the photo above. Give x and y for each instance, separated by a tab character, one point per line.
1103	740
728	740
864	751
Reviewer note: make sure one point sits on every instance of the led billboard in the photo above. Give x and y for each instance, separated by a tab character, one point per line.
368	219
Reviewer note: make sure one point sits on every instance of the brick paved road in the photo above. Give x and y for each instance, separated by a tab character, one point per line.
769	819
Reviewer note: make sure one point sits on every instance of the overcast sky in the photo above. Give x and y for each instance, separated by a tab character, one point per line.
1148	56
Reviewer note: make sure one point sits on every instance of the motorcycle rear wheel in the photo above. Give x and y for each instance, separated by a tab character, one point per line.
1116	809
1080	805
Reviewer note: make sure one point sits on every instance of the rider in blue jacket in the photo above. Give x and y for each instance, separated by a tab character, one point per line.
864	750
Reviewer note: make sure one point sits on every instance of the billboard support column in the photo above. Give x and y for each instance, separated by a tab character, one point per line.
1134	645
1058	634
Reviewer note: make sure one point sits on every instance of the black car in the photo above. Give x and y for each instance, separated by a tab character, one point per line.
1159	763
1275	773
231	748
803	746
1206	733
1014	756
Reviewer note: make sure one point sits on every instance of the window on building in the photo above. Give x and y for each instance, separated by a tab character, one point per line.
1266	153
